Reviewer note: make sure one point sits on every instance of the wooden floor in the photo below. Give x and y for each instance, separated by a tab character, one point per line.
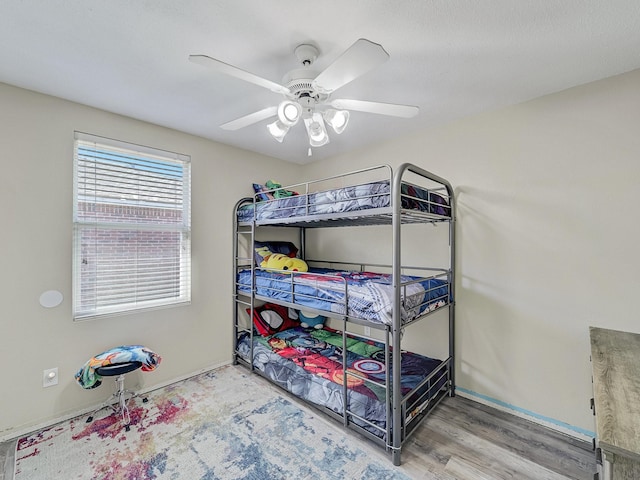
6	460
464	440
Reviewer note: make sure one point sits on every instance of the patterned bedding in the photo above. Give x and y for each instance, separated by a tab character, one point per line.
308	363
369	295
346	199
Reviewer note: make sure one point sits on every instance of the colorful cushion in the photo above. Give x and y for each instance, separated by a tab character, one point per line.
271	318
260	190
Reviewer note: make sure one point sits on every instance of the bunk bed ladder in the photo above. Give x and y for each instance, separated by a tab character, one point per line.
238	261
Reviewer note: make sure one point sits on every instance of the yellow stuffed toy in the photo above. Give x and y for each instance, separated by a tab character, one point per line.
277	261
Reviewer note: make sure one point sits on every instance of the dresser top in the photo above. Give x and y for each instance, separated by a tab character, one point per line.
615	358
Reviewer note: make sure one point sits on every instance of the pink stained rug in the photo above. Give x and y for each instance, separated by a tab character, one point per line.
225	424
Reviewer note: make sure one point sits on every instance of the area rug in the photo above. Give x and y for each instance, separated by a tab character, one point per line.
224	424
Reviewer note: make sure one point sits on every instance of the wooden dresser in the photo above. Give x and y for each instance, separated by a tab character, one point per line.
615	361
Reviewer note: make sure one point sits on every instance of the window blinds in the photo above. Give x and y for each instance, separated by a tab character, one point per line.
132	222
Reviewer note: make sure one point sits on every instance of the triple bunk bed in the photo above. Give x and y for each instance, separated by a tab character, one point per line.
342	368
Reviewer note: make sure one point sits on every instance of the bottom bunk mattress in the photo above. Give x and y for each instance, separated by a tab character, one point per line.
308	363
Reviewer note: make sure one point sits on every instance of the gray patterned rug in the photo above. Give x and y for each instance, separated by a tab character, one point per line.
225	424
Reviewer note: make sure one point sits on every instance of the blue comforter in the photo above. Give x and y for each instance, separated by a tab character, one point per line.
364	295
346	199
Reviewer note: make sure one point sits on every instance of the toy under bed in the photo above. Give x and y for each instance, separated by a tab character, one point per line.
309	364
365	295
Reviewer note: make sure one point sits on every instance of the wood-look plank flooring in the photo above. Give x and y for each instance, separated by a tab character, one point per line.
6	460
465	440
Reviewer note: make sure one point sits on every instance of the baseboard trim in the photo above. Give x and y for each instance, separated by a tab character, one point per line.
553	424
562	427
23	430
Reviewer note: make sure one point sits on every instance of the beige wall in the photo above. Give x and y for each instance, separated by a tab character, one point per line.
547	195
36	151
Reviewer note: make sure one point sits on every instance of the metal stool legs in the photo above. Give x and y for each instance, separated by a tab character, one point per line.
121	395
118	400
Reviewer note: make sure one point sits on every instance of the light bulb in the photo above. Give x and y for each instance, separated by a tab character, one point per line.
337	119
278	130
316	131
289	112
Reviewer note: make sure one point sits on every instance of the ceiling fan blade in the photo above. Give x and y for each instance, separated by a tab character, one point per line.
357	60
392	109
250	119
238	73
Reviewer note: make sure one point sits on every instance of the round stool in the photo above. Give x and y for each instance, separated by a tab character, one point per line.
118	401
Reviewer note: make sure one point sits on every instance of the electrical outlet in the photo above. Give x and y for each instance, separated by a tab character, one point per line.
367	331
50	377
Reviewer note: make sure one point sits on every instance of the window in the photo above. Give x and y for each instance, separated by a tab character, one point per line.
132	228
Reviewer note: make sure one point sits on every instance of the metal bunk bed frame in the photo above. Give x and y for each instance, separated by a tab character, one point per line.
400	421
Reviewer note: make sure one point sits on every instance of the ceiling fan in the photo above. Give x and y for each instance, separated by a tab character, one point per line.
307	93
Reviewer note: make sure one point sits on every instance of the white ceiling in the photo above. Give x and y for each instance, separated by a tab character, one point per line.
451	58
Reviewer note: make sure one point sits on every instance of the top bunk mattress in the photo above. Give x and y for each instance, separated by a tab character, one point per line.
365	198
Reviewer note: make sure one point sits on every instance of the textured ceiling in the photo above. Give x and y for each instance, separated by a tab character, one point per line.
451	58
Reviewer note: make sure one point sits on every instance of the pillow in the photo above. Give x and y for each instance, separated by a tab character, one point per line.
260	189
264	249
271	318
439	204
433	202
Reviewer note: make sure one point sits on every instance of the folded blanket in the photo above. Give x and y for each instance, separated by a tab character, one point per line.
87	376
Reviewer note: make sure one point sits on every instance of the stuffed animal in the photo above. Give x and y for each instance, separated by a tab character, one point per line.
309	320
279	192
277	261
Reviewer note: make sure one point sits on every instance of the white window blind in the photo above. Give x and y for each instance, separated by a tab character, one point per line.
132	228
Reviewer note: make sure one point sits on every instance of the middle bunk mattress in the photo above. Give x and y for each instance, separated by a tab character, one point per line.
363	295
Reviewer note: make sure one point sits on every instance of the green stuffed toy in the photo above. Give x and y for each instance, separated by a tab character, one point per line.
277	261
279	191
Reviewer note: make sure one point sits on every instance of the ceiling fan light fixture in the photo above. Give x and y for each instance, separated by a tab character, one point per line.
316	130
337	119
306	90
289	112
278	130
